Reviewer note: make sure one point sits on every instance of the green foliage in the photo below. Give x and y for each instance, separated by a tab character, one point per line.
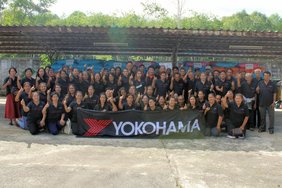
46	61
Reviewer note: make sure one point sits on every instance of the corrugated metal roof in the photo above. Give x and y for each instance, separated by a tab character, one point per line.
139	41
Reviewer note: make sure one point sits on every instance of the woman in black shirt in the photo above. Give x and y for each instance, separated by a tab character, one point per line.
85	83
90	98
104	106
28	77
98	84
23	94
111	83
35	120
152	106
54	114
63	81
72	109
12	85
192	104
40	77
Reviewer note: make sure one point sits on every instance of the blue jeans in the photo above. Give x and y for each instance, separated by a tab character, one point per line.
54	128
270	110
22	122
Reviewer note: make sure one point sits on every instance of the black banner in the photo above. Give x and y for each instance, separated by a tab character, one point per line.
173	124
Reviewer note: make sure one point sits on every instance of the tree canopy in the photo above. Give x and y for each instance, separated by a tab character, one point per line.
30	12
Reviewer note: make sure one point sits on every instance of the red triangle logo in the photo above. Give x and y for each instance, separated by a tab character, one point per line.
96	126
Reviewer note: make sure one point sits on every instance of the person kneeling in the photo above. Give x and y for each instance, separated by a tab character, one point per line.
55	114
213	115
35	120
238	116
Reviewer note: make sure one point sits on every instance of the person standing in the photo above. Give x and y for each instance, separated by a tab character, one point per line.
266	90
257	79
12	85
248	89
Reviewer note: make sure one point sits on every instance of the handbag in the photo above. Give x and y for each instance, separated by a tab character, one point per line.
237	132
67	128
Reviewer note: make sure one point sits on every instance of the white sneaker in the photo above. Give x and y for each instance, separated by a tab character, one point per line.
230	136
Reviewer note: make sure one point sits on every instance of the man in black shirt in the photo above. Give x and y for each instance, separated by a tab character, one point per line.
257	79
203	85
162	85
238	115
248	89
222	85
214	115
177	84
266	90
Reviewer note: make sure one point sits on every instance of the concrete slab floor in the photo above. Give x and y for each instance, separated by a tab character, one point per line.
67	161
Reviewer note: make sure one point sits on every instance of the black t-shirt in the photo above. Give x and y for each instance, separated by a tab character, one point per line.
237	114
266	93
248	90
31	81
64	86
139	85
54	113
35	111
213	114
156	109
99	88
104	108
162	87
125	82
43	97
91	102
190	85
149	80
201	104
132	107
84	86
10	88
226	86
70	99
52	83
178	86
42	80
74	106
205	87
24	96
76	82
112	86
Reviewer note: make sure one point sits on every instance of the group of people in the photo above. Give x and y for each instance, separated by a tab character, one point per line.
228	102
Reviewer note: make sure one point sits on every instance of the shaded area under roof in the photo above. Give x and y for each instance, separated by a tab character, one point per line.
139	41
